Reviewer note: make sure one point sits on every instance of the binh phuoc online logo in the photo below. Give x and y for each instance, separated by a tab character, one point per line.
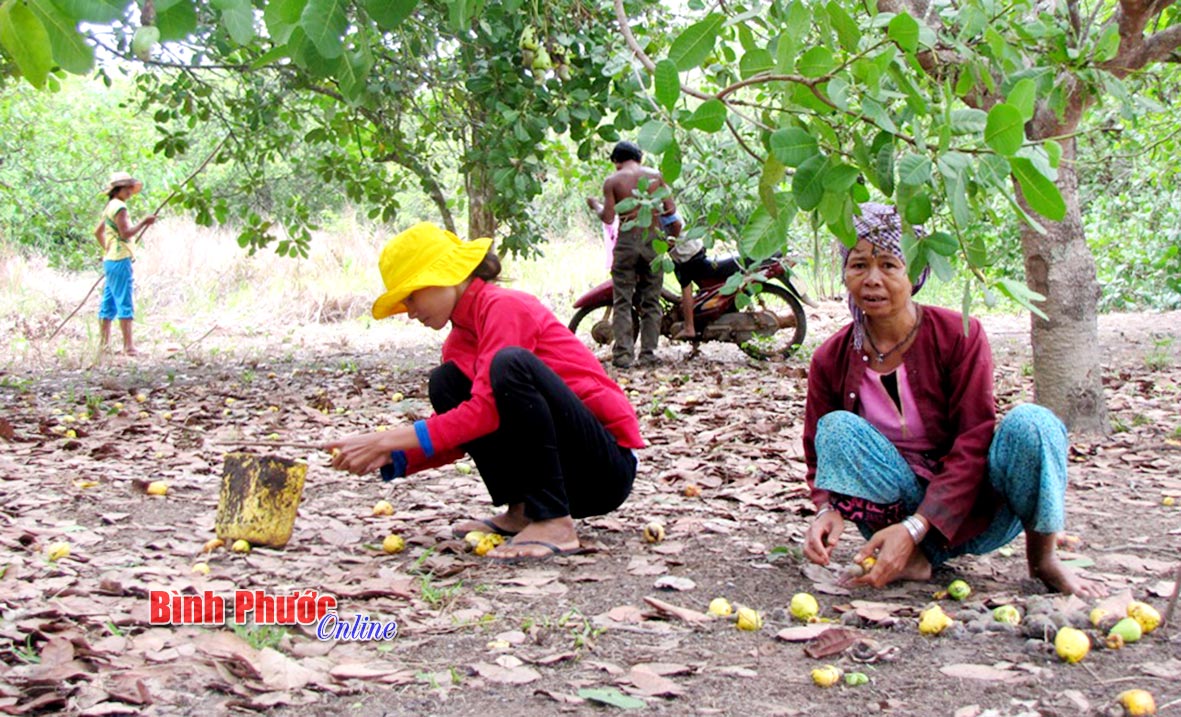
299	608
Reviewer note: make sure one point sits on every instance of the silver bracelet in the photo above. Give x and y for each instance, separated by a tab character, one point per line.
826	508
914	526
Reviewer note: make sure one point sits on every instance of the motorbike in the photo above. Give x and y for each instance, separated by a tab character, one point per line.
772	324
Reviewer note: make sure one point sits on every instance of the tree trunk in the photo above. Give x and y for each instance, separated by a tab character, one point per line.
481	222
1066	357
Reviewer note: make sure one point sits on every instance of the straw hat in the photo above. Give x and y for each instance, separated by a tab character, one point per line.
123	179
424	255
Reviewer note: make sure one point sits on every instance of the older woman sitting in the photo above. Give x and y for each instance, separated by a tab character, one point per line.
901	435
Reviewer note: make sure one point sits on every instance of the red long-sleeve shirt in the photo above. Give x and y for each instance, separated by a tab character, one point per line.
488	318
951	376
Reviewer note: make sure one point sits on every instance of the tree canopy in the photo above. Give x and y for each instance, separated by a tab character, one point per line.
942	109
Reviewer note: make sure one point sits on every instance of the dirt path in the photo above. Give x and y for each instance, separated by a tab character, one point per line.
475	637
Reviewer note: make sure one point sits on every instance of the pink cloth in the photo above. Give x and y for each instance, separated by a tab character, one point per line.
610	236
904	428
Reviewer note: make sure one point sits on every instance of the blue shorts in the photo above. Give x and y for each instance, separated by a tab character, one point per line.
116	303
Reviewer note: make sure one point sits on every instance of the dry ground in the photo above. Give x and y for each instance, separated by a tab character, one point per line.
478	639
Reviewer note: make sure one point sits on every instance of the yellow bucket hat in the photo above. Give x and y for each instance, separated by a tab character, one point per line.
424	255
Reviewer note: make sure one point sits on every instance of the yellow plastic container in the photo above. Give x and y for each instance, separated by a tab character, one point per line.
259	498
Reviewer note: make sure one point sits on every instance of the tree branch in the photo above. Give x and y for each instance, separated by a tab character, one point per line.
1160	47
630	39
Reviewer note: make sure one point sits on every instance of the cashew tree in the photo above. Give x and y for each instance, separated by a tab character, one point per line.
948	110
463	97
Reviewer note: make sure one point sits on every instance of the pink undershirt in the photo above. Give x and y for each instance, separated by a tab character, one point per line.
904	428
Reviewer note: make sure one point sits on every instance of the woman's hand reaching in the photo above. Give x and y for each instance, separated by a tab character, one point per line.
895	552
822	536
361	453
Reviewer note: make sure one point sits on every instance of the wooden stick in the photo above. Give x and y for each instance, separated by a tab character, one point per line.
141	233
77	308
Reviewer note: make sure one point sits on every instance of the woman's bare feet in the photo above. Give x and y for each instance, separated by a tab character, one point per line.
1045	566
532	542
917	567
510	522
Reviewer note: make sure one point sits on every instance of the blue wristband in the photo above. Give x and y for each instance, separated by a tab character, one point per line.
424	438
668	219
396	468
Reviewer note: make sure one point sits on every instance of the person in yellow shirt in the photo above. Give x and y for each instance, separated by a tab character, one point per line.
116	235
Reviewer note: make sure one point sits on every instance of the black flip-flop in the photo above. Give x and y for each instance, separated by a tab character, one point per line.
491	528
555	551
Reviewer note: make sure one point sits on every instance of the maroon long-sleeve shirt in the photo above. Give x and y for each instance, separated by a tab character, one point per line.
951	377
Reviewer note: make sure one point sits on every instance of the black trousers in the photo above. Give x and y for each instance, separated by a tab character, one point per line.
549	452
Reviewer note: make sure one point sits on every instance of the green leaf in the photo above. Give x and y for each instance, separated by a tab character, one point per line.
325	22
941	243
238	21
710	116
807	185
626	205
281	17
766	232
918	208
177	19
70	50
1053	152
848	33
769	180
98	11
1023	96
26	41
670	162
941	266
611	696
389	14
785	53
840	177
1042	194
655	136
695	43
993	171
755	61
879	114
884	170
1005	129
914	169
1022	294
798	20
793	146
667	84
816	62
352	73
904	30
1108	45
969	121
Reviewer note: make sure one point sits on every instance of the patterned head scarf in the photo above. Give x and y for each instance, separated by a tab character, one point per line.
881	226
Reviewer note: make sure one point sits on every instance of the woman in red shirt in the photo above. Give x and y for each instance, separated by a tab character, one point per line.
552	435
901	436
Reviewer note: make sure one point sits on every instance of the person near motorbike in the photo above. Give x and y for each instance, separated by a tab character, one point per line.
692	266
632	275
552	435
901	435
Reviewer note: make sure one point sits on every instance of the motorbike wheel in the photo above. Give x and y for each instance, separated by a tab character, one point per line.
787	307
599	314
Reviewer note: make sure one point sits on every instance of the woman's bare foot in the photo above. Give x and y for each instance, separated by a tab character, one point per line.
510	522
532	541
917	567
1045	566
